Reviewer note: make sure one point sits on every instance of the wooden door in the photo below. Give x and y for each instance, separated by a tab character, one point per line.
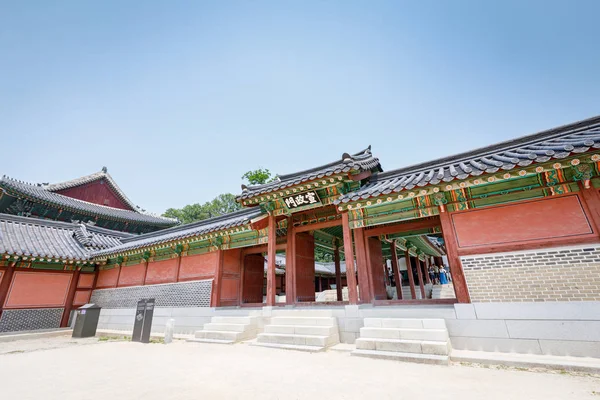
254	272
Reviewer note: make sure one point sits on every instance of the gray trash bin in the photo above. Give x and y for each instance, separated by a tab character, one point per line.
87	321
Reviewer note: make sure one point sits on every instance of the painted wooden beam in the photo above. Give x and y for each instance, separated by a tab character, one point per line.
430	222
318	225
349	256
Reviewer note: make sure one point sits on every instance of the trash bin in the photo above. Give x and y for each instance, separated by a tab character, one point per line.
86	321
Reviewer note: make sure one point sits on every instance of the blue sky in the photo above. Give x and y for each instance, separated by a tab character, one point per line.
179	99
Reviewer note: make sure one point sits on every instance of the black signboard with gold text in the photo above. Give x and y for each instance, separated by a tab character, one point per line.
302	200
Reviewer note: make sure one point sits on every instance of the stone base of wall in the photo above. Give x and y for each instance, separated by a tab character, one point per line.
30	319
555	274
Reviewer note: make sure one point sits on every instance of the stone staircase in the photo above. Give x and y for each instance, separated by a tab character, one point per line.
227	330
305	330
443	292
404	339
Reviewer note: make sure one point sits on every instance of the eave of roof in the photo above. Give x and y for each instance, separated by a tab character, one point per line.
40	194
227	221
361	161
555	143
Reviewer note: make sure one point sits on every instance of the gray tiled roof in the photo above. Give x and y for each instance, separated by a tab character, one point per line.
556	143
101	175
34	237
361	161
226	221
40	194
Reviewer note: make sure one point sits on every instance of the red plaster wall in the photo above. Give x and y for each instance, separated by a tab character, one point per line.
38	289
254	272
230	283
305	267
81	297
201	266
85	281
132	275
376	265
537	220
107	278
97	192
164	271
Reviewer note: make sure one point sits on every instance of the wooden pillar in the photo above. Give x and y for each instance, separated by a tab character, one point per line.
591	198
420	276
362	266
349	255
64	322
272	238
290	262
7	276
396	270
215	296
145	273
458	276
119	275
178	268
320	283
427	278
411	278
338	272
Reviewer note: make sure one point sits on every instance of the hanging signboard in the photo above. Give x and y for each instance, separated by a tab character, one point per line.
301	200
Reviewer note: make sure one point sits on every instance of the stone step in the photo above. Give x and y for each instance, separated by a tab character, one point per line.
413	323
221	335
218	341
214	326
234	320
308	340
311	349
407	357
308	321
302	329
440	335
404	346
301	313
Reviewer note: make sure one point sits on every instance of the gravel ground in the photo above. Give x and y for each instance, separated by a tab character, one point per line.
63	368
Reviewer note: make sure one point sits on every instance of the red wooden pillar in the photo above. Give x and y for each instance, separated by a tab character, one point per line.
458	276
64	322
290	262
362	266
7	276
119	275
145	273
396	270
349	255
178	268
320	278
215	296
411	278
420	276
338	272
427	278
272	237
591	198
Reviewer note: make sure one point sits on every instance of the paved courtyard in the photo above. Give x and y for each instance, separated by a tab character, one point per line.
62	368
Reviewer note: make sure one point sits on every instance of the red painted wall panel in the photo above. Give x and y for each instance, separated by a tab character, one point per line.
107	278
132	275
85	281
97	192
164	271
376	265
254	272
305	267
229	291
549	218
38	289
232	261
82	297
230	285
201	266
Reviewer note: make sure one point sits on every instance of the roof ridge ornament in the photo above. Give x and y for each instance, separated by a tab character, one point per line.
104	169
347	158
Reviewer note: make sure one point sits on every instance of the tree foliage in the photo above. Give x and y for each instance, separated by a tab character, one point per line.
222	204
258	176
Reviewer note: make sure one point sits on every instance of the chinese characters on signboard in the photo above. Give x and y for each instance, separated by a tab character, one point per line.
302	199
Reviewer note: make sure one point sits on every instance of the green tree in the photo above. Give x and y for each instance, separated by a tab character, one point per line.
222	204
258	176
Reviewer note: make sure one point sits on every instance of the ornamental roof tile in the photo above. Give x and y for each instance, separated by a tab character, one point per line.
203	227
97	176
361	161
39	193
40	238
540	147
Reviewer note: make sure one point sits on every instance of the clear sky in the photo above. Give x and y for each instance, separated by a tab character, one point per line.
179	99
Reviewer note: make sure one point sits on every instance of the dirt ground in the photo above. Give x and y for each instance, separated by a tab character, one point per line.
62	368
